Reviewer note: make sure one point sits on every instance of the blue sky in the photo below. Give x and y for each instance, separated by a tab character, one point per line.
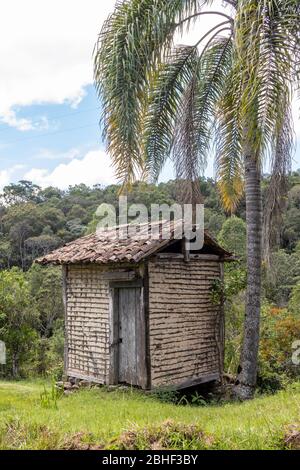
49	111
62	149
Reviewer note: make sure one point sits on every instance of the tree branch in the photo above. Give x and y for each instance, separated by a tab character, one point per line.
210	31
204	13
213	37
233	3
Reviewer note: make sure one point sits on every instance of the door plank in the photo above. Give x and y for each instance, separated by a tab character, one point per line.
128	306
141	358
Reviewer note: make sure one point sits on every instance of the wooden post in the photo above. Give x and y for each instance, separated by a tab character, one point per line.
142	343
222	324
147	327
114	336
64	287
185	250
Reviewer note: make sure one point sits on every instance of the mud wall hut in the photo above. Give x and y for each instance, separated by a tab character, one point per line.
140	311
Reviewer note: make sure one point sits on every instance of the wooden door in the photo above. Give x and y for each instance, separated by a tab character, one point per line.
129	312
128	357
128	335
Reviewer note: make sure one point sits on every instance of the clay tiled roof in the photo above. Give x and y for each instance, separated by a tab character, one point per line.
106	248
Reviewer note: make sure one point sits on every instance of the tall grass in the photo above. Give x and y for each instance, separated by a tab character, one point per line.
100	417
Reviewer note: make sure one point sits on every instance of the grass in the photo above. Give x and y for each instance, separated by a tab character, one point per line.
99	417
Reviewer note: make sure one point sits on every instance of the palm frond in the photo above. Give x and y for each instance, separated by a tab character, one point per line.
193	130
166	92
276	196
265	43
132	41
255	109
255	104
229	164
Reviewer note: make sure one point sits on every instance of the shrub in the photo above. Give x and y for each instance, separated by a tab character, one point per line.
18	319
167	435
280	328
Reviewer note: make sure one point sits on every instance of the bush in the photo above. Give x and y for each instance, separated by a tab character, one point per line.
31	322
55	351
18	320
280	328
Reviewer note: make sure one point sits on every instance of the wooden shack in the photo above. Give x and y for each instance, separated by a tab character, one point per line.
139	311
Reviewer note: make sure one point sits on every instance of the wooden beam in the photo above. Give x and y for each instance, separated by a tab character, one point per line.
170	256
196	381
204	256
119	275
191	255
120	284
88	378
64	290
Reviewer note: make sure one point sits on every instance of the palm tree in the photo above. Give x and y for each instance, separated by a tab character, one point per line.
232	88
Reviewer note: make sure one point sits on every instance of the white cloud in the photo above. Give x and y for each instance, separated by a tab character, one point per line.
46	52
93	168
4	178
46	154
9	117
23	124
7	175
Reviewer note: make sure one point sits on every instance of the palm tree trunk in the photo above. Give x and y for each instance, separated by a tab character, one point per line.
247	374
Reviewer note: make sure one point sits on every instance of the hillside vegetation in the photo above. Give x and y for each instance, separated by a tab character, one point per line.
33	221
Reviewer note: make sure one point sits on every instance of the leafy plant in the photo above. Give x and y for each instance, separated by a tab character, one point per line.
18	320
234	282
198	400
49	398
166	395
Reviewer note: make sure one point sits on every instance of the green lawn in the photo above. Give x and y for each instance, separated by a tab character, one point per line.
101	416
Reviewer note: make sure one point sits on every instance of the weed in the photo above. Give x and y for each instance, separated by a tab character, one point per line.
166	395
49	399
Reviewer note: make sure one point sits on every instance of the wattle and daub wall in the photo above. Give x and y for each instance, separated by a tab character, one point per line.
183	325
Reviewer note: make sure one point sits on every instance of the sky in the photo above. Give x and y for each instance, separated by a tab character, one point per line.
49	111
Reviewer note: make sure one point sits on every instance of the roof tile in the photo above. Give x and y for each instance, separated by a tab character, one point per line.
106	248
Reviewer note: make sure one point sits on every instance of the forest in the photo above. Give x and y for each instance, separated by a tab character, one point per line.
89	358
33	221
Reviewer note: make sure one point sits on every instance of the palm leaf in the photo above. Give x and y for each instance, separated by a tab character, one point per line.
265	44
276	196
132	41
229	158
198	110
166	93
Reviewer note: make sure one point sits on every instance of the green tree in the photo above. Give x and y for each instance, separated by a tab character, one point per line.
158	99
291	221
23	191
18	318
213	221
233	236
45	285
283	276
294	302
